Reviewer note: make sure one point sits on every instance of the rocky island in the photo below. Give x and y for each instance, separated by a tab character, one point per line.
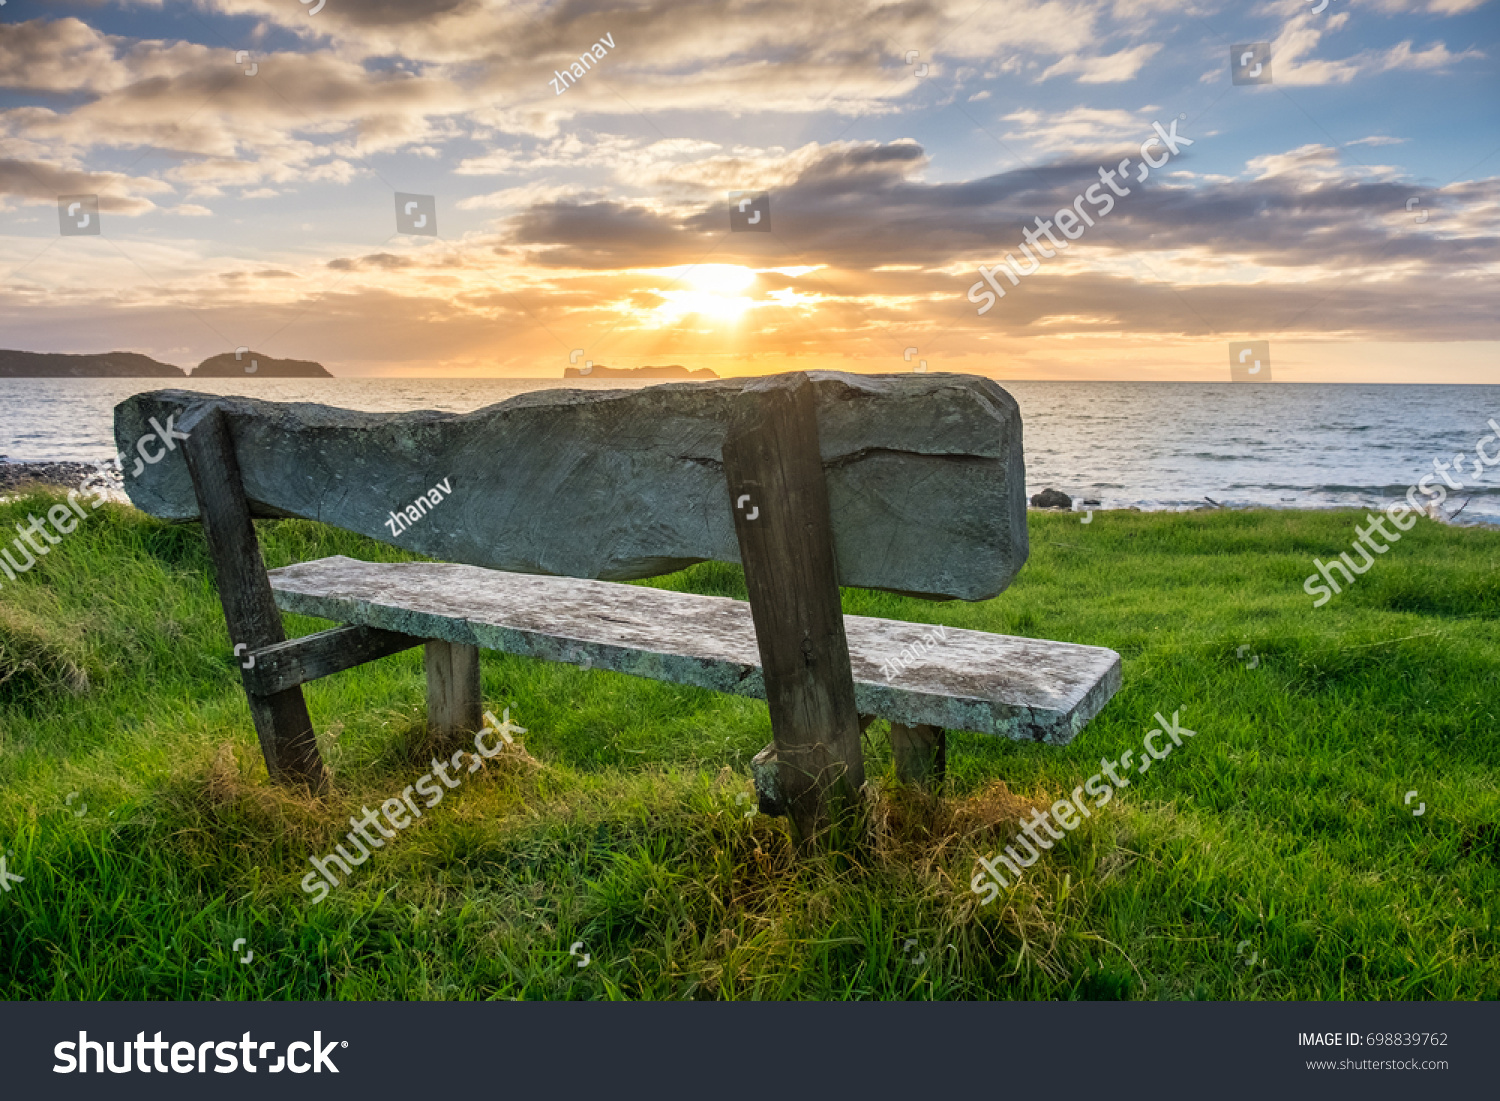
673	370
256	365
16	364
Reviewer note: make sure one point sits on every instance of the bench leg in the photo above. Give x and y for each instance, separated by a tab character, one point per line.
779	500
921	753
453	703
281	721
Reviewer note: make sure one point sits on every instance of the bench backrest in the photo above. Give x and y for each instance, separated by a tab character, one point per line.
925	476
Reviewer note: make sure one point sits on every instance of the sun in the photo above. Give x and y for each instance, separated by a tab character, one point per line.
712	290
726	279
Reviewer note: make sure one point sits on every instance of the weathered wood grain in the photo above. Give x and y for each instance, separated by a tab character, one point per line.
775	480
1022	688
294	662
453	702
925	477
921	753
281	721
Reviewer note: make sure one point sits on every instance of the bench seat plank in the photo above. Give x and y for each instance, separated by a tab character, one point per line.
1021	688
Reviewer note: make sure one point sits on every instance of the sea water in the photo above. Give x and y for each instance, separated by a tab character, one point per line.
1152	445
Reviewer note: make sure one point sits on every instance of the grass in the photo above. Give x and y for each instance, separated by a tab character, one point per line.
1279	834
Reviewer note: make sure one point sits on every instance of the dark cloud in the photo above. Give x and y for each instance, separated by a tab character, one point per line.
379	261
271	273
39	180
855	210
395	13
605	234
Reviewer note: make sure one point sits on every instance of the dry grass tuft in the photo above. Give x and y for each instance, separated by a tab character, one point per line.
910	825
225	801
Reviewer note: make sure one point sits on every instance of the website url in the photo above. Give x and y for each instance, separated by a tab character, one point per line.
1377	1064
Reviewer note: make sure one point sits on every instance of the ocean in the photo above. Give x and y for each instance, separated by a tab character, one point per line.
1149	445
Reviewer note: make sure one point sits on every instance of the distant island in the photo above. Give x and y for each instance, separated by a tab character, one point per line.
16	364
256	365
674	370
104	365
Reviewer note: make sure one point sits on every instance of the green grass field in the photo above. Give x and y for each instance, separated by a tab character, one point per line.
1278	835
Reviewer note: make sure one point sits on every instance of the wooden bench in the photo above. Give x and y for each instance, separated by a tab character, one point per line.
825	675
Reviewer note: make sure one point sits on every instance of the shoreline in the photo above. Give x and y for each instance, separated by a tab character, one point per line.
67	475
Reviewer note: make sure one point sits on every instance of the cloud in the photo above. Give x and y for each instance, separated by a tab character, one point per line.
1106	69
586	213
118	193
198	103
1436	56
720	55
1431	7
380	261
1077	128
604	234
1303	209
862	242
1293	64
64	55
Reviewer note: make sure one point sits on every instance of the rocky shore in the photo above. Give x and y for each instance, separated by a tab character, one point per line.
18	476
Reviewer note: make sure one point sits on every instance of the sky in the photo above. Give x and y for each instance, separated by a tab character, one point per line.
1342	204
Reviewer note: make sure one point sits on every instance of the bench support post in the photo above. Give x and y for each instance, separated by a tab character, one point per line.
781	518
453	699
287	739
921	753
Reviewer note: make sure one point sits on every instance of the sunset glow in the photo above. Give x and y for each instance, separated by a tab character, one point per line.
247	160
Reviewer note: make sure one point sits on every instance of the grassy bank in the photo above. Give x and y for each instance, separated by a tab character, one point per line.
1278	835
